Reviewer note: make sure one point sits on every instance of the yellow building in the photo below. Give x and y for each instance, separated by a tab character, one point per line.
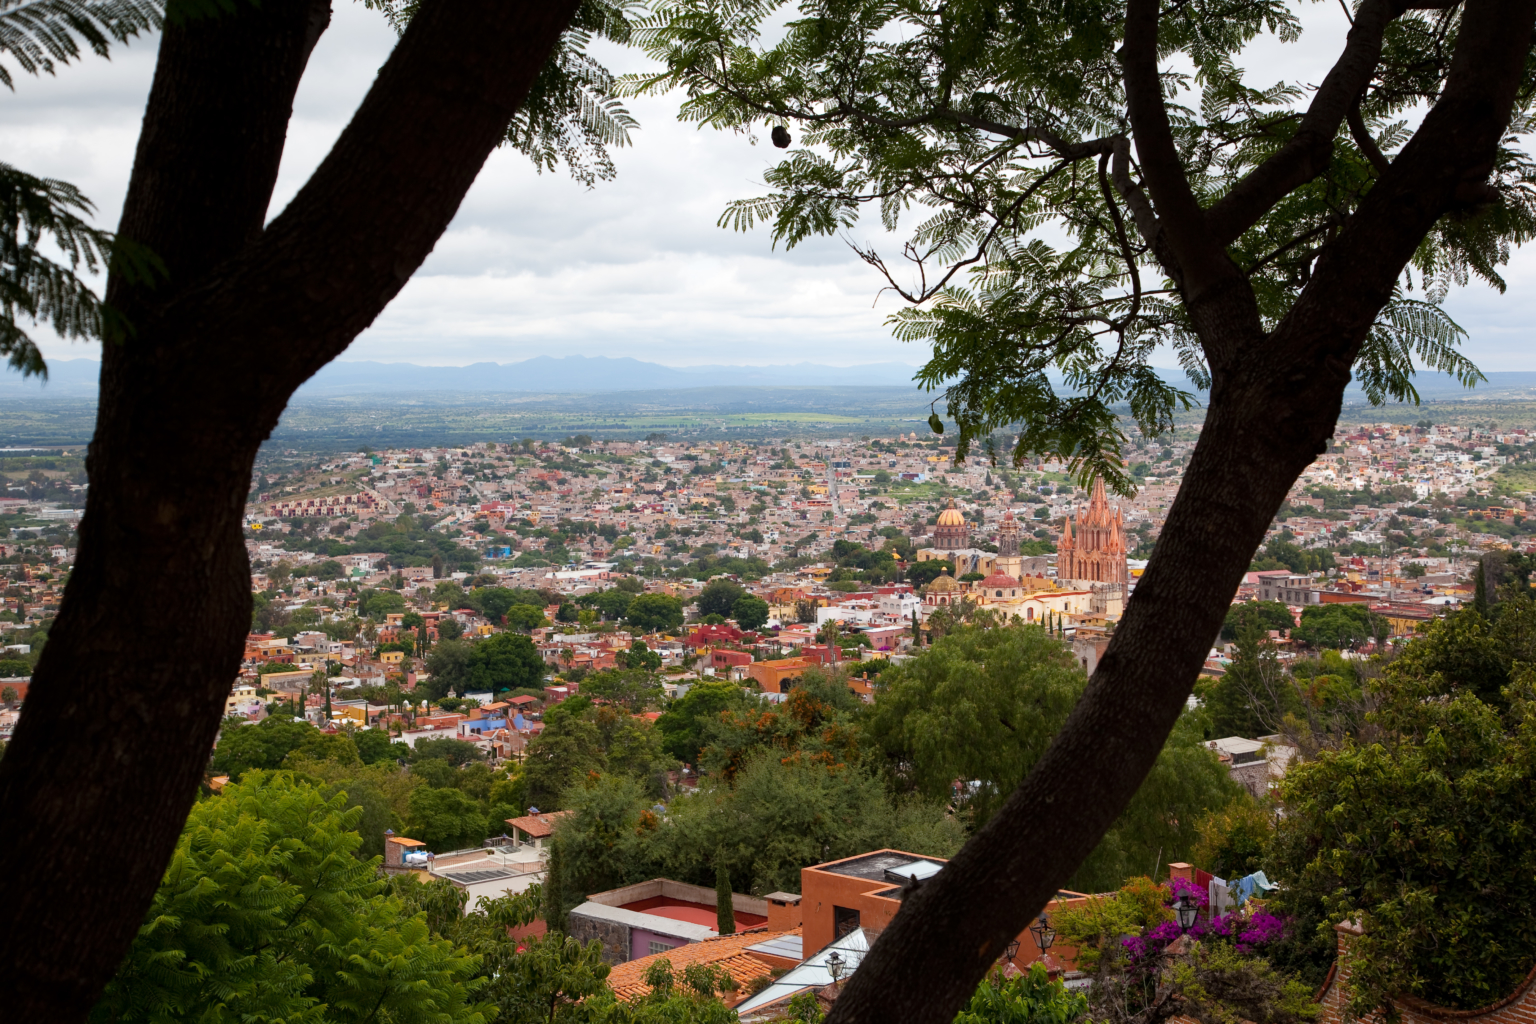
242	692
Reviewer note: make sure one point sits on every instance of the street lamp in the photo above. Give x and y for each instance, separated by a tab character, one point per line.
1186	909
1010	951
835	965
1043	932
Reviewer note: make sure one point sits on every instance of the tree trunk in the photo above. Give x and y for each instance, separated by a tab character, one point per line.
1273	405
128	694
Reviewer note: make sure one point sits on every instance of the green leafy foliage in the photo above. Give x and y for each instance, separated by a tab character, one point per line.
981	706
582	740
719	597
1340	626
503	661
640	657
375	747
633	689
41	215
765	823
1254	695
265	914
658	613
1233	839
1262	614
750	612
268	743
1027	998
681	727
1424	836
445	819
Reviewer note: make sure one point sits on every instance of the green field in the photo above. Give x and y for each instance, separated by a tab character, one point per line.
745	413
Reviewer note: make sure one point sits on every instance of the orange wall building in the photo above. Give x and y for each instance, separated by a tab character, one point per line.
865	892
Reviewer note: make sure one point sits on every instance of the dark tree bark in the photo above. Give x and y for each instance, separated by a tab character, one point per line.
128	693
1274	401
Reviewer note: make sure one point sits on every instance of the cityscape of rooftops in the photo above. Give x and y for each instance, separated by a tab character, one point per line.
686	512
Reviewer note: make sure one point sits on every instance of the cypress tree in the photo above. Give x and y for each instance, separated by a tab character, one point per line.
725	912
1479	590
554	902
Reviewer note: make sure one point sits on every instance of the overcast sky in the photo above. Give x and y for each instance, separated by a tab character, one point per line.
538	265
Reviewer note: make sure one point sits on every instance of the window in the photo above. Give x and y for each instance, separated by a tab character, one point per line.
658	947
844	920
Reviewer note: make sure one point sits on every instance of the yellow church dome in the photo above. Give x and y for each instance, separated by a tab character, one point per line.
951	516
945	582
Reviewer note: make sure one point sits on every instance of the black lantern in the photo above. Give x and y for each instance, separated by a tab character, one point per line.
835	965
1043	932
1186	909
1011	950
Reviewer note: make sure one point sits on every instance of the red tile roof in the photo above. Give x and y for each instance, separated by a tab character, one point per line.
728	952
539	826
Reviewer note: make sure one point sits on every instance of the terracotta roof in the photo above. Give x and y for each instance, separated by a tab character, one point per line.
728	951
999	579
539	826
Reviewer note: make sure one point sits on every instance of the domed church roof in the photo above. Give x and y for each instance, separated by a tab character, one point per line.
951	516
944	581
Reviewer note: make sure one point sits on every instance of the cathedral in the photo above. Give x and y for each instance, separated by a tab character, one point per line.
951	533
1095	551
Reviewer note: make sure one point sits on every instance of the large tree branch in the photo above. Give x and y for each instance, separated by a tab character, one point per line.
1269	415
128	694
1447	160
1203	263
1307	153
374	209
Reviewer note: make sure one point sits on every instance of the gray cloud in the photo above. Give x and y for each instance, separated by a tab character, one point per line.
538	265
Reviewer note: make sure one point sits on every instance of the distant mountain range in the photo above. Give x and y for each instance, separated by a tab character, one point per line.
77	378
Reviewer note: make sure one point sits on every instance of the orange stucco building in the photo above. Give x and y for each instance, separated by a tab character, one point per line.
865	892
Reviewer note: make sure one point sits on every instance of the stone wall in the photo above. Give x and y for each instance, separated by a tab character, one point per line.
613	935
1519	1007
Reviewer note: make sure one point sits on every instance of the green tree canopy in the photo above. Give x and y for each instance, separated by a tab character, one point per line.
447	668
719	596
445	748
920	574
243	746
1262	614
264	913
378	603
568	749
639	656
1424	836
750	612
682	725
1253	696
445	819
613	602
525	617
1339	626
503	661
655	613
635	689
980	706
375	747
